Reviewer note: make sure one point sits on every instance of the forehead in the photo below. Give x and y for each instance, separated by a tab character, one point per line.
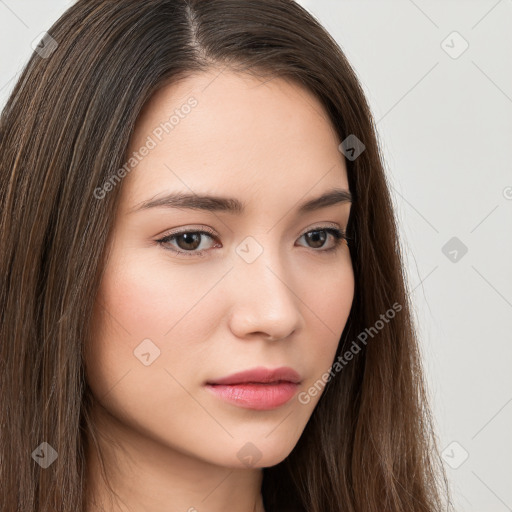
231	133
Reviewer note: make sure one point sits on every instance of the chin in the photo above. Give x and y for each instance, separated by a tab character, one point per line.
257	452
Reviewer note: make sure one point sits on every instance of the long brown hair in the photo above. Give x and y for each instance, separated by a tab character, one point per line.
370	443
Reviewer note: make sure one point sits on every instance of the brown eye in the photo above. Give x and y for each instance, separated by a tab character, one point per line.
190	241
317	238
186	243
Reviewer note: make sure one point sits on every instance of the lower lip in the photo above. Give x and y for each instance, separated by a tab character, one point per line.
260	397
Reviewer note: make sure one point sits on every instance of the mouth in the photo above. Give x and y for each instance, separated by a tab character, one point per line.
259	396
258	388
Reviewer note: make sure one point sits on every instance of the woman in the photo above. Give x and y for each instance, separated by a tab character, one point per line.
203	301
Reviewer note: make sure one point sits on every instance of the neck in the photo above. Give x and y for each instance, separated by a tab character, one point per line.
145	476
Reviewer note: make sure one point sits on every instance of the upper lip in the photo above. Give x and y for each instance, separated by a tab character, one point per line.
260	375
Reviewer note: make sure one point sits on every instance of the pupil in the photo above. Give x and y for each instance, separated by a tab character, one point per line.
189	239
315	236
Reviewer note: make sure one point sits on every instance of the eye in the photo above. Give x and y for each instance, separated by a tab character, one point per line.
318	236
187	242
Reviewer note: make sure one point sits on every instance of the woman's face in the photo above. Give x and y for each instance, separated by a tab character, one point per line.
260	288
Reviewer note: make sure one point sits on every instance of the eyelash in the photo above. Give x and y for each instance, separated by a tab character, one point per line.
338	234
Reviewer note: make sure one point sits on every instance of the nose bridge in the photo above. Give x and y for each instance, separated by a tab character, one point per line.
265	301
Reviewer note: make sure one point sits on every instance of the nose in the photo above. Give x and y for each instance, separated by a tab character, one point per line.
264	301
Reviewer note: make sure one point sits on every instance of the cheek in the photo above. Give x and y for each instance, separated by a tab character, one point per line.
328	299
328	293
139	313
147	297
140	300
334	298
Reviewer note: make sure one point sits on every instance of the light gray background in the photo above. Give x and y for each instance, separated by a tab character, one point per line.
445	125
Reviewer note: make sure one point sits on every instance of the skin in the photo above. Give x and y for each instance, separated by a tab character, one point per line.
169	445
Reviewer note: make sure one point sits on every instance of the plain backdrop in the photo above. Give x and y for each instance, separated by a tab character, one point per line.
438	76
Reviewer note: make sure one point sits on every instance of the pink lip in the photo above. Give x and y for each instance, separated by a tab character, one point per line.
258	388
260	375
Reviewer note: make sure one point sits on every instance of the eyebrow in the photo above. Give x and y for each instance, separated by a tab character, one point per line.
234	206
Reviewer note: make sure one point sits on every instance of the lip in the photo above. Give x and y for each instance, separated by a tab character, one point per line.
260	375
258	388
